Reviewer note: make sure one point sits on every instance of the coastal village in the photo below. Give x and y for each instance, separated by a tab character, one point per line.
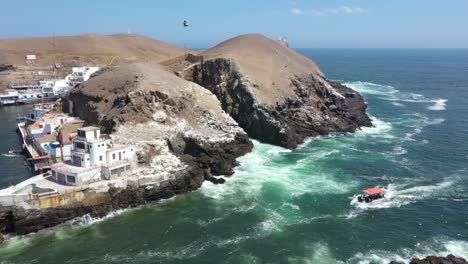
144	131
58	145
75	163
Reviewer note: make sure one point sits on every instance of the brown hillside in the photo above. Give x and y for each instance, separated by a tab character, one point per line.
267	63
91	49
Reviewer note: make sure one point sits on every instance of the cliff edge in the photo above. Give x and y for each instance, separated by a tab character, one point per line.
277	95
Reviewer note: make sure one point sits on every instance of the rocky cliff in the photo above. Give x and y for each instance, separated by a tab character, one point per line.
277	95
449	259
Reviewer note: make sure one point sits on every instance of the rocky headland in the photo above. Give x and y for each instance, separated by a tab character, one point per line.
188	130
277	95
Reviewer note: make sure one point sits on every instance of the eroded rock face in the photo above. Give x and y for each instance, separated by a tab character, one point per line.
450	259
312	108
277	95
162	115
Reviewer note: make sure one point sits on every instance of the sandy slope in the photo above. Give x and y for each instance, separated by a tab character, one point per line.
268	64
90	49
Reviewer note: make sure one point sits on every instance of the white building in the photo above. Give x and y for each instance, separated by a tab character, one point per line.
39	111
31	57
93	158
54	87
80	74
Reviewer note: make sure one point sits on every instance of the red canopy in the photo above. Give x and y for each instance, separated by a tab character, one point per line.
372	191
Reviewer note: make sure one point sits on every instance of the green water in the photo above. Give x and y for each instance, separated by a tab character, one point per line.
296	206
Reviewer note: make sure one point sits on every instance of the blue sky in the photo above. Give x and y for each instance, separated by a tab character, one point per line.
306	23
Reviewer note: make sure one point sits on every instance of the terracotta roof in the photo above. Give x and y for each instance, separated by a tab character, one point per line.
68	131
375	190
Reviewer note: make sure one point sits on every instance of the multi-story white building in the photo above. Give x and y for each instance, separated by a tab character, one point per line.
80	74
54	87
93	158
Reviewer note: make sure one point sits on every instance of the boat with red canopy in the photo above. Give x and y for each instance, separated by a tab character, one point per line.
369	195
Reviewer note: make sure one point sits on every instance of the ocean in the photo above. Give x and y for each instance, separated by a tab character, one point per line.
285	206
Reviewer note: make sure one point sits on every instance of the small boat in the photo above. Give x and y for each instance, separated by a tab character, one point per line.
372	194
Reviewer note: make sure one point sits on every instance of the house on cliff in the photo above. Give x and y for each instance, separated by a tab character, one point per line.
94	158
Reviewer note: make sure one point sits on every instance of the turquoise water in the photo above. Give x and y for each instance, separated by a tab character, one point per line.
295	206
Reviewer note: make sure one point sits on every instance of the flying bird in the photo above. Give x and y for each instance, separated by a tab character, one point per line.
185	23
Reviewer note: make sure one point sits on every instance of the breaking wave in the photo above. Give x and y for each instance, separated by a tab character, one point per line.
438	105
434	247
390	93
440	246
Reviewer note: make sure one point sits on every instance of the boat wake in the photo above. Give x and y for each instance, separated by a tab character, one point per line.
9	155
400	195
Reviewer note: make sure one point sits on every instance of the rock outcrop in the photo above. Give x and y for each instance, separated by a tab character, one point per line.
277	95
20	221
450	259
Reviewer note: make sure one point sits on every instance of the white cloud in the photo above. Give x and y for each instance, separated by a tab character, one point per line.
296	11
338	10
317	13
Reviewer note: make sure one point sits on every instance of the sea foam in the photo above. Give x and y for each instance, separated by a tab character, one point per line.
433	247
439	105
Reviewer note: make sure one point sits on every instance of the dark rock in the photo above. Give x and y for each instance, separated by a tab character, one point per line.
7	67
216	180
450	259
289	123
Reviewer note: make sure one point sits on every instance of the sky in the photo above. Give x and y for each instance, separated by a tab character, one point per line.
305	23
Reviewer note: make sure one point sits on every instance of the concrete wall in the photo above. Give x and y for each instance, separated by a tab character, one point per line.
115	155
81	178
97	153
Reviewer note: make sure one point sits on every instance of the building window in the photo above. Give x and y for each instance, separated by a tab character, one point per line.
113	156
80	145
81	133
70	179
100	158
61	177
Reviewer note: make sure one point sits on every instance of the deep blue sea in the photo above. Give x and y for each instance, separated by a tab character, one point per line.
296	206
